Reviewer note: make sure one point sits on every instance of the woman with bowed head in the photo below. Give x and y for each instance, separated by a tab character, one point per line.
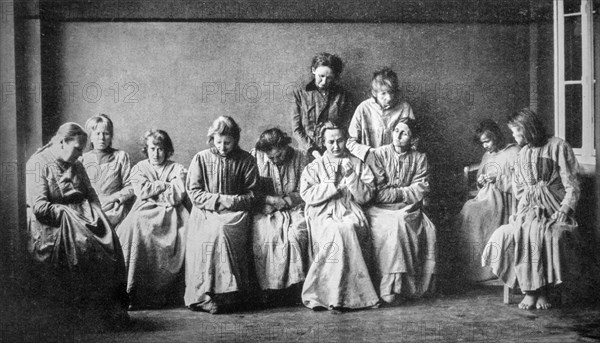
279	235
540	245
404	239
319	101
108	169
76	255
221	184
153	234
334	187
492	206
375	118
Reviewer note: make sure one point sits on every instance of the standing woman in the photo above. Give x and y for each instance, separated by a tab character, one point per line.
279	235
320	101
492	206
404	239
108	169
539	247
153	234
221	184
334	187
376	118
77	258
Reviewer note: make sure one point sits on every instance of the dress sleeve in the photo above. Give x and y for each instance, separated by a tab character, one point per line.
174	193
90	192
386	194
568	170
143	187
246	200
504	180
38	193
313	189
354	143
304	141
293	198
419	185
347	109
126	192
195	182
361	183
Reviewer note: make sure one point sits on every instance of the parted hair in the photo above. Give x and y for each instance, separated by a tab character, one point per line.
272	138
66	132
533	127
93	123
331	126
325	59
493	131
160	138
385	77
224	126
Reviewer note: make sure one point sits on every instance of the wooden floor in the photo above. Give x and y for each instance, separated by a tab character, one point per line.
477	315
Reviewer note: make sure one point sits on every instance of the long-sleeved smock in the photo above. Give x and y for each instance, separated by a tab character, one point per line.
534	249
222	191
311	110
153	234
372	126
109	172
483	214
404	239
76	253
280	238
339	239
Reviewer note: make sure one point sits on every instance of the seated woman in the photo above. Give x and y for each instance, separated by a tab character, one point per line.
221	184
404	239
77	258
539	246
492	206
334	187
322	99
108	170
279	235
153	234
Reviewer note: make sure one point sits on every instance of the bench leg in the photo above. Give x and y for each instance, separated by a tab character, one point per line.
508	293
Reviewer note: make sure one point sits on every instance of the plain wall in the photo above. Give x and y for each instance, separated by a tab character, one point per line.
180	76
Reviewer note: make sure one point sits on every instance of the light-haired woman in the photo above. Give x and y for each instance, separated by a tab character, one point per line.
109	169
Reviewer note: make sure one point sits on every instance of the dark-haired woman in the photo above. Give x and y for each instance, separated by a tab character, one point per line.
221	185
319	101
108	169
334	187
539	247
153	234
404	239
492	206
77	259
279	233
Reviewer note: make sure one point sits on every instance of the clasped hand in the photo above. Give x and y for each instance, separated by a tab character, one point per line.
483	179
559	216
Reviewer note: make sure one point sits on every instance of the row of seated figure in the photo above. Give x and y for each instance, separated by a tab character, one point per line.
337	223
322	228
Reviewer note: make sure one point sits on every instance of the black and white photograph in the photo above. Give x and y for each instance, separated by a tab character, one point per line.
299	171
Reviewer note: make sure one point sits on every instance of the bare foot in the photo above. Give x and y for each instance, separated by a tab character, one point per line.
528	301
543	303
